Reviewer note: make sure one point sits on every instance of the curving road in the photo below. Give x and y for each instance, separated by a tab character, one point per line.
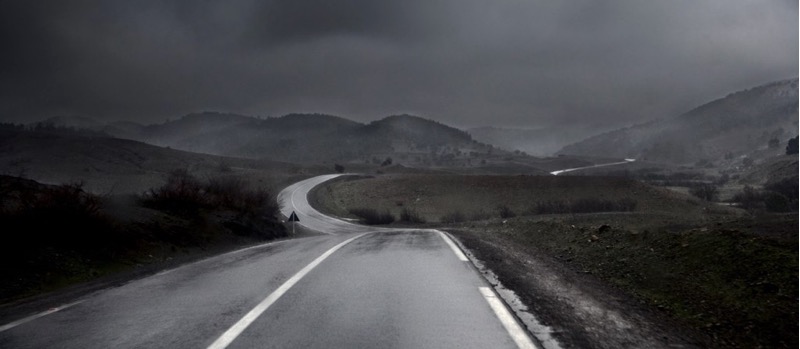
353	287
556	173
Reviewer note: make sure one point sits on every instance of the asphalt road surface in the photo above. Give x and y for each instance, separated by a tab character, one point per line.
351	287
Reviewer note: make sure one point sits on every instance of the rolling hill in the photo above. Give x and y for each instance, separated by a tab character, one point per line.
114	166
317	138
739	125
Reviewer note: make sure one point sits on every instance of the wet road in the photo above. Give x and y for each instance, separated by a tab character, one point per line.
355	287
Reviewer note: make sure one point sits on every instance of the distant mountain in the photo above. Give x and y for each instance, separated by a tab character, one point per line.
317	138
108	165
536	142
119	129
740	124
73	121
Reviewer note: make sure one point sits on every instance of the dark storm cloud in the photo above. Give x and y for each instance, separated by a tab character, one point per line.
465	62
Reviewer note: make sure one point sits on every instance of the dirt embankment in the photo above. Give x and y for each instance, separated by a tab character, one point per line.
672	272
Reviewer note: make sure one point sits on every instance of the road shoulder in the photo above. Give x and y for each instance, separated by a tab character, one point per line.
583	311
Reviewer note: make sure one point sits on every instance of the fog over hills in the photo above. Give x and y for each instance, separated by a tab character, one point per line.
738	125
537	142
734	126
108	165
311	138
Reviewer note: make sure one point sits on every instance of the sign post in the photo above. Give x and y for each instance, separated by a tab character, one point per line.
293	218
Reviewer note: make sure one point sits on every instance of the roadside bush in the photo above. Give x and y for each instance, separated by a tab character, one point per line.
411	215
183	194
453	217
233	194
372	216
37	215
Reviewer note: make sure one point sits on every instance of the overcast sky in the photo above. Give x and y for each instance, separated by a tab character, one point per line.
517	63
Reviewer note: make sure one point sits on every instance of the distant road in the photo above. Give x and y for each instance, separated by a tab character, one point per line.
556	173
353	287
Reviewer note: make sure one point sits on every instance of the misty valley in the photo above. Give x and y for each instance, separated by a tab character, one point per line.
710	194
408	174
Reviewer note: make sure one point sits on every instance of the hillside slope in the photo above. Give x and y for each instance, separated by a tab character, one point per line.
317	138
110	165
735	126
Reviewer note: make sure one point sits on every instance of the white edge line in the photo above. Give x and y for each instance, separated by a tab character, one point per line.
226	254
230	335
516	332
16	323
36	316
453	246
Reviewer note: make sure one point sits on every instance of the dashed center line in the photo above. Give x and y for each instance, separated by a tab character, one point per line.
230	335
36	316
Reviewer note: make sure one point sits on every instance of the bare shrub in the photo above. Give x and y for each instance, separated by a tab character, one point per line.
453	217
372	216
63	215
411	215
184	194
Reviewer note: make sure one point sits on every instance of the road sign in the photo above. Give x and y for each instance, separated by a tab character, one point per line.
293	218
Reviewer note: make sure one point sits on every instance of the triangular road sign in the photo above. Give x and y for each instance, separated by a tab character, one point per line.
293	217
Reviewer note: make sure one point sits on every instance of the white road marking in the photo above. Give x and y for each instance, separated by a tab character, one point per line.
36	316
453	246
516	332
230	335
161	273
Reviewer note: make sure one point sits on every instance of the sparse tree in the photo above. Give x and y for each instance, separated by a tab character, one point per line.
791	147
386	162
338	168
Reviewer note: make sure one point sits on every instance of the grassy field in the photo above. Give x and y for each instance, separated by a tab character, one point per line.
726	275
480	197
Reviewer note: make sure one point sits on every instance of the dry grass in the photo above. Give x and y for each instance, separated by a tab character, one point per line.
433	197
